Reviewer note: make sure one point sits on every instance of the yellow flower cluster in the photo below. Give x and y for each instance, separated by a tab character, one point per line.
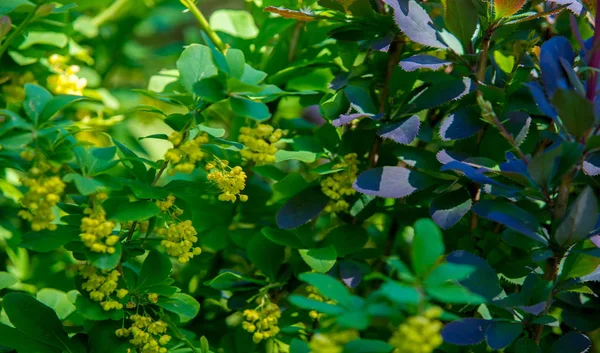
179	241
65	81
331	342
102	285
260	142
141	226
339	184
419	334
146	334
262	322
96	231
14	92
231	181
314	294
184	156
166	204
43	193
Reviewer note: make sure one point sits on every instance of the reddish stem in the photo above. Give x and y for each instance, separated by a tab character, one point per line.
594	60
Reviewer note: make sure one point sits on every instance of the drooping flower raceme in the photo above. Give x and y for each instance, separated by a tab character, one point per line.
339	184
65	80
230	181
184	156
262	321
102	286
44	191
419	334
96	230
260	142
331	342
147	334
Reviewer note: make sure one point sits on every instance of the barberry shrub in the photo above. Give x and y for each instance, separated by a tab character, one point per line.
386	176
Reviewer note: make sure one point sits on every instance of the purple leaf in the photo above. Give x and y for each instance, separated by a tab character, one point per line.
422	61
553	74
591	164
541	100
350	273
347	118
501	334
403	132
575	6
392	182
580	220
465	332
475	174
511	216
445	156
462	123
596	240
534	309
484	281
416	23
572	342
442	92
517	124
301	208
447	209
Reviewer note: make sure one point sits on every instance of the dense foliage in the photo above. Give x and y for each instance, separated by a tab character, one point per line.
316	176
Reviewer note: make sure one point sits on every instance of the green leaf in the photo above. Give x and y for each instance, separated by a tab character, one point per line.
247	108
212	131
194	65
304	156
454	294
121	210
460	17
57	300
85	185
448	272
106	261
265	255
93	311
48	240
400	293
237	23
185	306
210	89
575	111
309	304
7	280
13	338
580	219
347	239
36	98
235	61
228	279
55	39
155	269
35	320
57	103
329	287
8	6
320	260
283	237
427	246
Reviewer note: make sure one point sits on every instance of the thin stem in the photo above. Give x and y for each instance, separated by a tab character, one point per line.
594	60
294	42
394	54
17	32
112	12
156	178
190	5
181	336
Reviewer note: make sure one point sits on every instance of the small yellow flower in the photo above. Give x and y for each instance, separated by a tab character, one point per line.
230	181
331	342
179	240
419	333
262	322
184	156
65	81
43	193
260	142
339	185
